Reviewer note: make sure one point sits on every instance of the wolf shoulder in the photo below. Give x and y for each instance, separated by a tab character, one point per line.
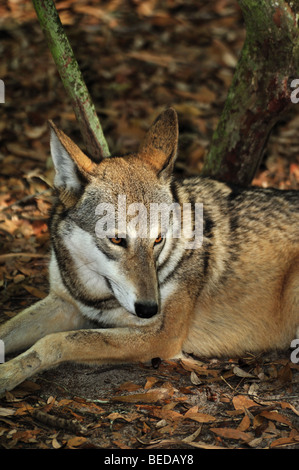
263	205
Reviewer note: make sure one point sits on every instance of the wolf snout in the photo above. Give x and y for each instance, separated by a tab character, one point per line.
146	309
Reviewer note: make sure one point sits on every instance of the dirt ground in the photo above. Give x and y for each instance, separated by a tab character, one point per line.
137	57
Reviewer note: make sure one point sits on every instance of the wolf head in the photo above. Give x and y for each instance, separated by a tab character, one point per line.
104	235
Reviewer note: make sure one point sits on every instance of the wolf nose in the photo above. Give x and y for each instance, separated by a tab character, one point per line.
146	309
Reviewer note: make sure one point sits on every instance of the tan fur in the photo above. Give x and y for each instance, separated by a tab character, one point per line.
237	293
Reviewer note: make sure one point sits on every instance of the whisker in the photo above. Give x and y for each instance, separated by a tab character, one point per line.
84	265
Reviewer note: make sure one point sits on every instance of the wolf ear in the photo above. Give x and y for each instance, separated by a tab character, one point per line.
70	163
159	146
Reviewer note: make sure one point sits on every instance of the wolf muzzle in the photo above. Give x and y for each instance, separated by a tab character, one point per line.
146	309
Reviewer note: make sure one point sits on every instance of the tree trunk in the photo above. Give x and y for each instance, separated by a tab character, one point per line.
72	79
260	93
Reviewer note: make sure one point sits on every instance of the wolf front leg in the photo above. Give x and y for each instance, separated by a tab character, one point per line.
49	315
161	337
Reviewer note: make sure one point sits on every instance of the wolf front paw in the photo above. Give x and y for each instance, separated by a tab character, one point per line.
4	380
9	378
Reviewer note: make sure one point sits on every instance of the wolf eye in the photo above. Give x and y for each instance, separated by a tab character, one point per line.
158	240
118	241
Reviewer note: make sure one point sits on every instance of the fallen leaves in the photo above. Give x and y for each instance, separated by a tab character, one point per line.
158	413
242	402
26	436
129	417
230	433
183	55
7	411
241	373
193	414
285	441
151	396
275	416
75	442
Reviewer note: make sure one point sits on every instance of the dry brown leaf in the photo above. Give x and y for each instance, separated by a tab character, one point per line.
283	441
162	60
241	373
129	387
294	434
9	256
35	292
245	424
259	421
56	444
169	429
241	402
91	407
288	405
30	386
275	416
150	382
64	402
151	396
23	410
51	400
230	433
271	429
129	417
167	415
146	8
35	132
193	436
194	378
256	442
7	411
199	417
18	278
170	406
76	441
24	436
167	443
196	366
203	445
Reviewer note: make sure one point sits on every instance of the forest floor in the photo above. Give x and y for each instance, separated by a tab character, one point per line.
137	57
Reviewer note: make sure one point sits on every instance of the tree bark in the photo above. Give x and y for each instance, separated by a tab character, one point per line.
260	93
72	79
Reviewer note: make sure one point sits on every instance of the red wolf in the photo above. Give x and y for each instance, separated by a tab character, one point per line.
118	297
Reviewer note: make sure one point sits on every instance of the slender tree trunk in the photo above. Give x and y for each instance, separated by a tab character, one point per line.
260	93
72	79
